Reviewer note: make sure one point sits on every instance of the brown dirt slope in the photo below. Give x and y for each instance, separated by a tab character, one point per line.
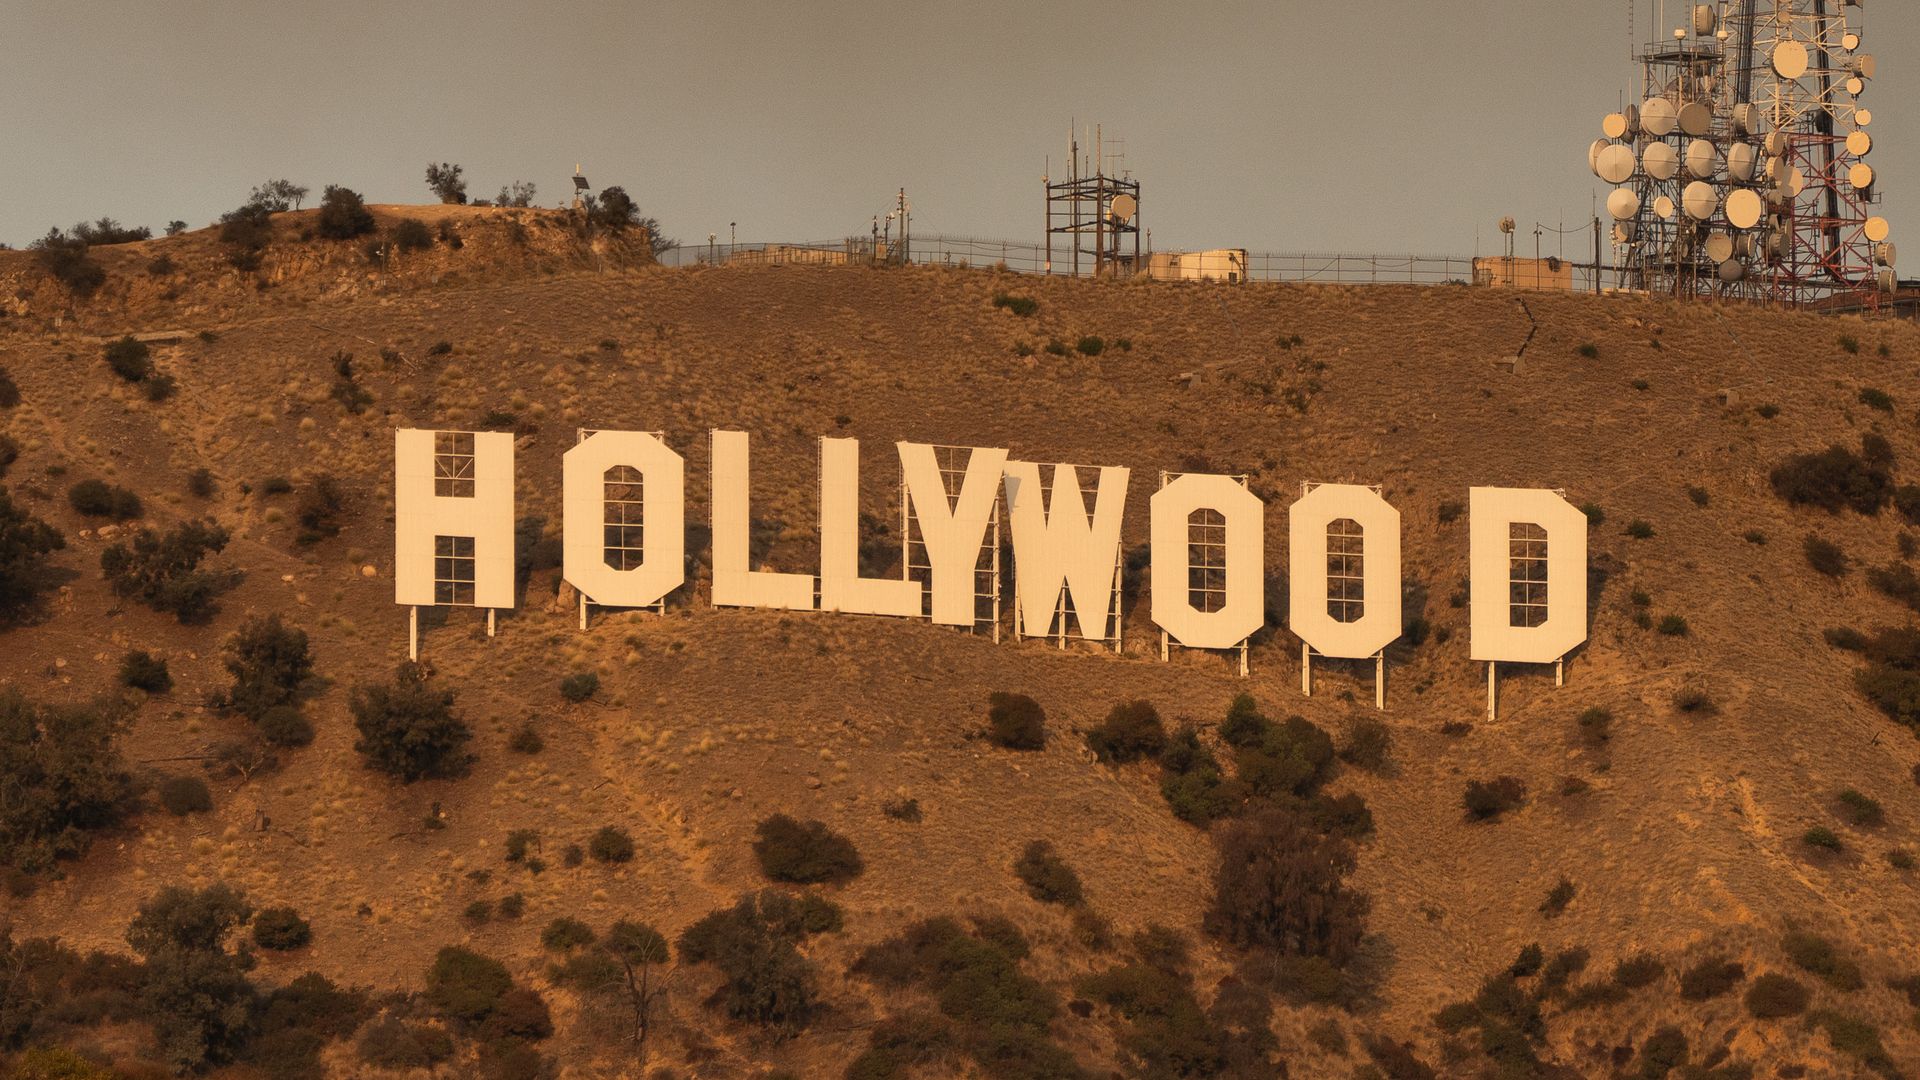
708	721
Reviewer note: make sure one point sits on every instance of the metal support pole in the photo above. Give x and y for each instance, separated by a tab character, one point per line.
1491	690
1380	680
583	611
413	633
1560	672
490	621
1306	669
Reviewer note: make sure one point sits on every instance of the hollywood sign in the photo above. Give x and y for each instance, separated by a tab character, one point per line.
624	539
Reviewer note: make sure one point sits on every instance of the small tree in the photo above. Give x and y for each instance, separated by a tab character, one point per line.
407	727
142	670
281	929
1132	730
805	852
464	985
61	777
278	196
518	193
268	661
319	509
412	234
446	182
1047	876
25	543
66	259
640	950
1281	883
196	991
163	571
1015	721
343	214
97	498
130	359
611	844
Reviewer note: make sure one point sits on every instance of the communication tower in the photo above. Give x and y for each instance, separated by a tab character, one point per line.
1091	203
1741	169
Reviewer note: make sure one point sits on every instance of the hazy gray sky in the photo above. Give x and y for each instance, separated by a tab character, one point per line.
1283	125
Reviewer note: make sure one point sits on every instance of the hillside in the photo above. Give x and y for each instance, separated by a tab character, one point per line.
1685	840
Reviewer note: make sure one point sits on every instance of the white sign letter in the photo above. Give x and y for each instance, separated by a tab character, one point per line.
1242	551
841	586
734	584
1529	575
453	518
624	524
1060	547
952	528
1343	570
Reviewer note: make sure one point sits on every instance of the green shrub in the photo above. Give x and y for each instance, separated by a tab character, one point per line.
512	905
96	498
479	911
142	670
464	985
275	485
412	234
611	844
1638	970
1020	305
130	359
1767	410
1449	512
1132	730
1595	515
194	988
1876	399
902	808
1245	724
1588	350
804	852
162	570
765	979
319	509
1833	479
25	544
392	1043
343	214
1861	809
1821	837
64	779
1897	582
1900	859
66	259
1664	1051
526	740
519	843
269	662
1639	529
1047	876
1596	725
9	390
1015	721
579	686
1693	699
1710	978
1698	495
1292	758
281	929
286	725
1557	898
1488	799
1090	345
563	934
1845	638
1773	996
1673	625
407	727
183	795
1819	956
1858	1038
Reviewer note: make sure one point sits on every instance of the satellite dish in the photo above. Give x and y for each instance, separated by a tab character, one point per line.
1790	59
1664	207
1776	244
1623	203
1614	126
1616	164
1863	117
1699	200
1864	65
1658	116
1593	156
1719	247
1850	41
1889	281
1877	229
1732	270
1123	207
1859	144
1856	86
1748	118
1796	182
1660	161
1703	160
1632	113
1777	143
1742	159
1742	245
1703	19
1884	253
1744	209
1695	118
1860	175
1506	225
1623	232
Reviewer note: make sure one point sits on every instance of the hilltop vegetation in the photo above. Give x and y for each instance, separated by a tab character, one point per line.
241	835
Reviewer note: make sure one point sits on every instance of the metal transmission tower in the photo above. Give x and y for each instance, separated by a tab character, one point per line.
1741	171
1098	205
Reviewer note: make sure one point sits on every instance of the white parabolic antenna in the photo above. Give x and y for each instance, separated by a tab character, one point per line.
1877	229
1777	143
1703	19
1744	209
1855	86
1748	118
1884	253
1790	59
1702	159
1699	200
1695	118
1741	160
1731	271
1658	116
1623	203
1864	65
1660	161
1850	41
1859	144
1860	176
1614	126
1123	207
1593	154
1719	247
1664	207
1616	164
1863	117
